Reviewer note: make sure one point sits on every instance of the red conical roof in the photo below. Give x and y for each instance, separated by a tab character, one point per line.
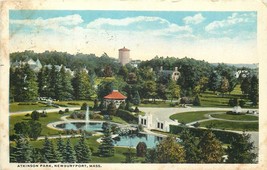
115	94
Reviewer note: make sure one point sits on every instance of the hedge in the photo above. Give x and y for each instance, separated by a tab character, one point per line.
223	136
127	116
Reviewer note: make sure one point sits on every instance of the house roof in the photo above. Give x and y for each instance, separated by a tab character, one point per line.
115	94
124	49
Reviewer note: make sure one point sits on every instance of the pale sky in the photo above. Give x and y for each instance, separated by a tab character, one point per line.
229	37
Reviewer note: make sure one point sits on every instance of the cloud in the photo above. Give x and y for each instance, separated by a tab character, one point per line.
233	20
58	23
196	19
156	25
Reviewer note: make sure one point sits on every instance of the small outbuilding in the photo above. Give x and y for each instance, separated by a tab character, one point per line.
116	97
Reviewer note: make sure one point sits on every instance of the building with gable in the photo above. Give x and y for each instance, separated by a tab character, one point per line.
172	74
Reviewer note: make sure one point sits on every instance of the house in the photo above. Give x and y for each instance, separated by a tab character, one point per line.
34	65
116	97
173	74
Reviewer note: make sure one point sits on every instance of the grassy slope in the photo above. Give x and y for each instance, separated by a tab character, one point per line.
15	107
190	116
235	117
240	126
52	117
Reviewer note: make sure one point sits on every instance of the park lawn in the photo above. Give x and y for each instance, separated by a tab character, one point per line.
235	117
27	106
226	125
74	103
119	156
188	117
51	117
155	104
117	119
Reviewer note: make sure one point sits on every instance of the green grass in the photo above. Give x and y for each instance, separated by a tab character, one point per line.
235	117
51	117
239	126
188	117
210	99
117	119
26	106
74	103
119	156
155	104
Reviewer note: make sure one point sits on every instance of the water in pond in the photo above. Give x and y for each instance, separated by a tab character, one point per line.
133	139
92	126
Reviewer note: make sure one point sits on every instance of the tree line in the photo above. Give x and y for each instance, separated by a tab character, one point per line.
143	82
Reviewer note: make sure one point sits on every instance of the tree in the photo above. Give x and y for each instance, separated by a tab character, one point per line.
64	86
190	145
162	91
35	129
108	71
22	128
49	152
196	101
245	85
130	156
111	108
61	150
151	156
35	115
22	151
224	85
254	90
210	148
149	89
214	81
81	84
174	90
141	149
52	82
241	150
106	147
83	152
202	85
123	71
169	151
43	82
70	156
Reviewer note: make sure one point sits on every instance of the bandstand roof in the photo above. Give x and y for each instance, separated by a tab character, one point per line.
115	94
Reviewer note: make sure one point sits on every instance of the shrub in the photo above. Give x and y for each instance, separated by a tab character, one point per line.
141	149
140	128
60	112
84	106
35	115
73	103
67	110
111	109
96	116
172	104
197	124
27	115
43	114
136	109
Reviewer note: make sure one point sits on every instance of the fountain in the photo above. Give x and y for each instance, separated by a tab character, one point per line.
87	117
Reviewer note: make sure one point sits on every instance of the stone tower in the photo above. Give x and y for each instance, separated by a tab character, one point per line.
124	56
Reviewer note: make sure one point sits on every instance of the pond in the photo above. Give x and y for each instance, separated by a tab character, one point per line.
91	126
133	139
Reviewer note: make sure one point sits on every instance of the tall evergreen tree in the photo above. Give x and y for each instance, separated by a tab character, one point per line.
64	89
43	82
49	152
61	150
22	151
210	148
81	85
83	152
70	153
245	85
241	150
52	82
106	147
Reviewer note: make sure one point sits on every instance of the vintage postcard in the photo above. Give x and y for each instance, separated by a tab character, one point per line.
133	84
